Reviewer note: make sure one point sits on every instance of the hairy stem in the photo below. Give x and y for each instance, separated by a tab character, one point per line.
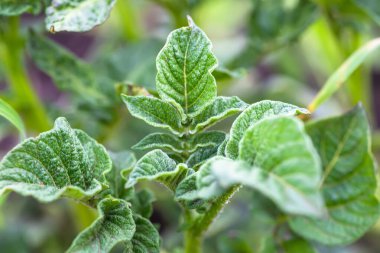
194	234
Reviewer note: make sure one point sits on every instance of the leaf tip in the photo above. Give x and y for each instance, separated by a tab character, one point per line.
190	21
61	122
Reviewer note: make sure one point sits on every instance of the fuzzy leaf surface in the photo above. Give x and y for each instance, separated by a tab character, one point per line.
290	166
187	192
221	108
146	238
115	224
163	141
156	165
252	115
154	112
60	162
348	183
184	67
206	139
77	15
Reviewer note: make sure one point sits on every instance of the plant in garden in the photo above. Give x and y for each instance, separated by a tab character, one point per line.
319	175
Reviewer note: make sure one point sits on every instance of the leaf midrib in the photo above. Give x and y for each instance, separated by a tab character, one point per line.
330	166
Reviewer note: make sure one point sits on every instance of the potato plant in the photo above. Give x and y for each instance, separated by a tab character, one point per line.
320	175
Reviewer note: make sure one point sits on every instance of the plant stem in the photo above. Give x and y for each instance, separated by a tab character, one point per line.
131	25
194	234
11	55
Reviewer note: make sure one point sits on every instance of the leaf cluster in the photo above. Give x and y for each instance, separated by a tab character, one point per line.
319	175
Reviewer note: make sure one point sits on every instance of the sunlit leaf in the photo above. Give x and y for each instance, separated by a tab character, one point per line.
184	69
221	108
252	115
155	112
158	166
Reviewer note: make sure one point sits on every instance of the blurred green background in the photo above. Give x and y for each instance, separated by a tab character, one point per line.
267	49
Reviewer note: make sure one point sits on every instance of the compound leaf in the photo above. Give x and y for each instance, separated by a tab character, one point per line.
253	114
115	224
184	67
221	108
59	162
77	15
348	183
154	112
156	165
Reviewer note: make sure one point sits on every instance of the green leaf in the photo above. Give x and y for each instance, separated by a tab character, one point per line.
142	203
146	238
184	69
274	24
12	116
68	72
221	108
348	182
121	162
252	115
340	76
115	224
200	156
206	139
298	245
154	112
163	141
17	7
279	161
60	162
222	147
268	245
290	166
156	165
187	192
77	15
371	7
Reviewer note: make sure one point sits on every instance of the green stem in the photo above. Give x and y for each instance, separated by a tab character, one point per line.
194	234
11	55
